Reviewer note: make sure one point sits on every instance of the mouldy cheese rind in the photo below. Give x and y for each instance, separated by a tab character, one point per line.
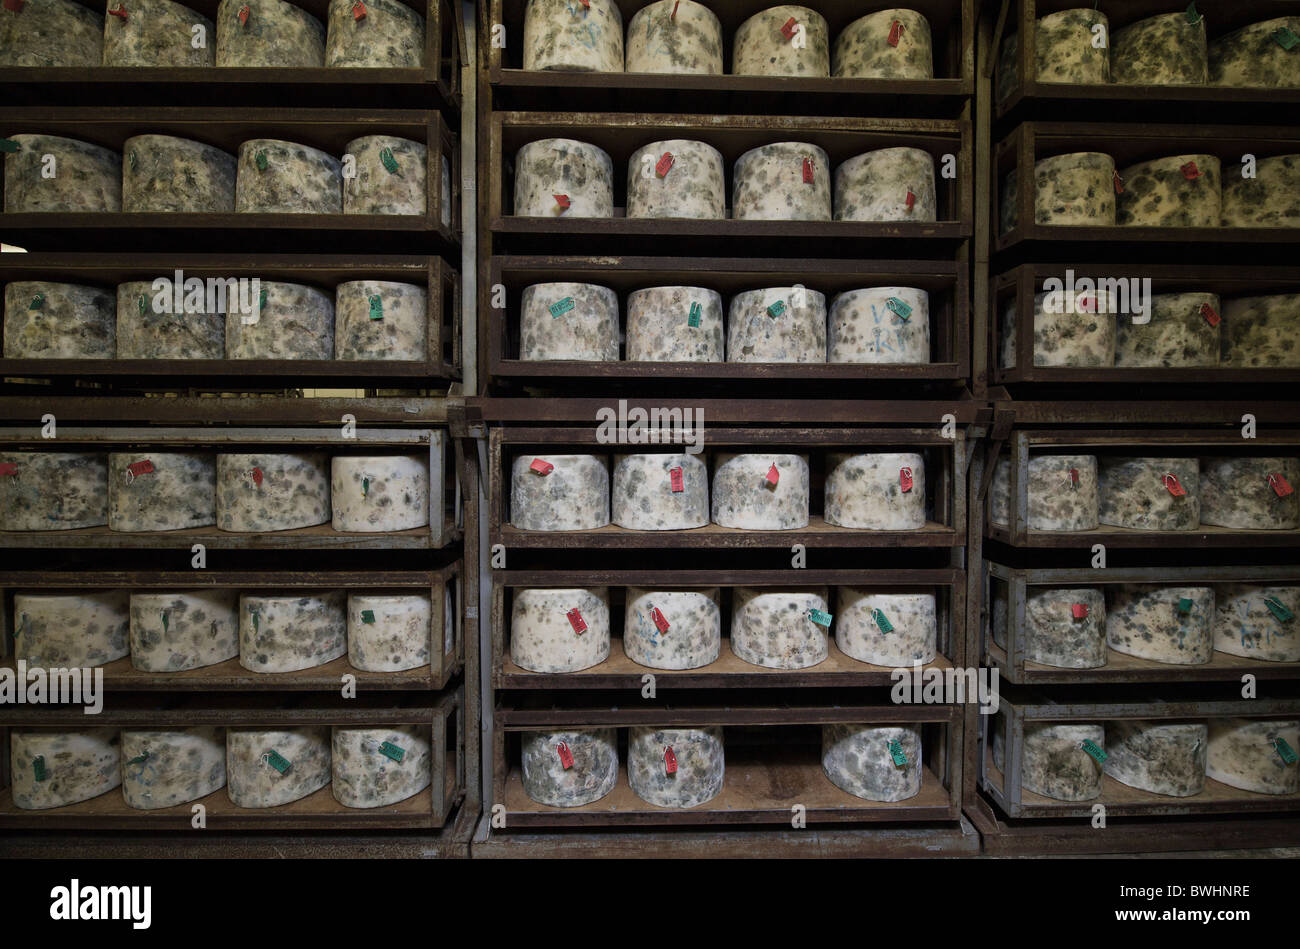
85	177
694	634
381	494
744	496
51	768
1057	501
278	177
252	781
564	35
592	775
274	33
573	495
568	321
56	33
1076	190
272	492
1076	336
172	491
1250	493
46	320
1244	625
1161	757
1055	765
1261	332
859	759
390	176
1178	335
696	758
1140	493
659	325
774	628
389	35
777	324
288	632
674	36
72	630
1068	50
150	326
365	766
164	768
163	173
53	491
863	327
395	632
762	48
872	47
1251	57
889	184
395	328
771	183
1269	198
294	322
1244	754
1054	636
876	491
1168	192
860	634
1148	621
174	631
581	173
693	184
643	495
544	633
1165	50
157	33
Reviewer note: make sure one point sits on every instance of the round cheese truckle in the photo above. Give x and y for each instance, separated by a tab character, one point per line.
1251	494
775	629
1245	753
674	36
1270	199
1065	628
659	325
52	491
164	173
887	44
661	491
881	326
765	44
381	320
1261	331
877	491
1150	494
287	632
288	321
748	494
176	766
559	630
151	326
390	176
87	177
272	33
675	767
691	184
1181	191
161	491
52	33
174	631
1161	757
46	320
265	492
1165	50
672	630
1179	334
886	628
73	630
393	632
277	177
592	772
379	494
383	34
860	759
53	767
1253	57
156	33
777	324
374	767
1079	332
267	768
1161	623
889	184
1062	493
1257	621
1073	190
784	181
568	321
1055	765
562	493
558	177
1066	49
582	37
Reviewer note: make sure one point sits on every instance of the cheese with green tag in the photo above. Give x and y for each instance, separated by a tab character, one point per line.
174	631
376	767
165	768
396	632
252	781
860	759
51	767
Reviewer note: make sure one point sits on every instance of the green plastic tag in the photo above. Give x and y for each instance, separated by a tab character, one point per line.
261	300
386	156
367	616
141	305
389	750
896	752
1286	39
38	768
1091	748
257	621
1276	607
365	487
561	307
1184	605
898	306
139	759
38	301
693	319
1192	16
260	160
776	309
820	618
882	621
1285	750
134	160
23	624
376	308
164	619
9	145
277	761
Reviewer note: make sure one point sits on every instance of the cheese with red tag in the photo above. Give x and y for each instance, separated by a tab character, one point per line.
1165	50
1139	494
659	325
857	758
1057	500
52	491
177	491
164	768
777	324
382	34
88	178
864	327
544	628
287	178
294	491
1242	493
1243	753
286	632
765	46
887	44
1146	621
1183	331
1159	193
674	36
643	495
157	33
73	630
1076	332
694	635
70	322
586	331
768	184
366	776
552	166
175	631
772	628
380	494
393	632
1065	628
889	184
743	497
575	496
268	33
691	185
52	767
51	33
860	635
876	491
675	767
251	780
593	774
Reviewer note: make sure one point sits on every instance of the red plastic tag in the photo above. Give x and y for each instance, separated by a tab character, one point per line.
675	480
257	477
1119	184
586	4
562	200
674	13
911	199
541	467
120	11
1211	317
670	761
138	468
1176	489
243	15
809	170
905	479
773	476
790	28
1279	485
1079	610
358	11
895	33
1190	171
661	621
1074	477
665	162
14	5
566	756
1086	305
8	468
576	621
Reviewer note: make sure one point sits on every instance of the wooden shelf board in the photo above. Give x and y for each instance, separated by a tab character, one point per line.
817	534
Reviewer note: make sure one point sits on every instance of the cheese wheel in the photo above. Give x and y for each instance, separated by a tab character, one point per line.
387	34
86	177
395	632
659	325
273	33
572	496
1246	624
1253	57
545	624
53	491
252	779
582	37
161	491
675	767
294	322
771	183
157	33
876	491
1054	636
53	767
1054	764
46	320
861	619
1148	621
381	320
1067	47
880	326
1244	753
164	768
390	176
643	495
675	36
74	630
52	33
1058	500
379	494
692	184
591	776
889	184
151	326
1160	193
1178	335
269	492
744	496
1261	331
763	47
1138	493
277	177
777	324
1165	50
163	173
774	628
375	767
859	759
1252	494
288	632
568	321
581	173
693	634
1271	198
1078	332
887	44
1074	190
1161	757
171	632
